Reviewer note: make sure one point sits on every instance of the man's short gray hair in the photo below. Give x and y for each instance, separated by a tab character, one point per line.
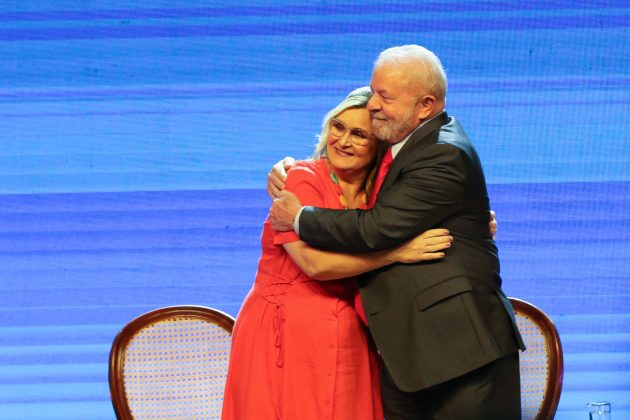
422	67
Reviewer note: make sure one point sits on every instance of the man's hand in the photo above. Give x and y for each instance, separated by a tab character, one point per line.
493	224
277	176
283	211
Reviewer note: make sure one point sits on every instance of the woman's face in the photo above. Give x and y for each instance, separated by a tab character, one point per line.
351	142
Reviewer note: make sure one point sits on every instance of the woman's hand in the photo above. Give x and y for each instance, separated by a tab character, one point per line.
424	247
493	225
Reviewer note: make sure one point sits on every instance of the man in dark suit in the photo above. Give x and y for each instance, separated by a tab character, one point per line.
445	329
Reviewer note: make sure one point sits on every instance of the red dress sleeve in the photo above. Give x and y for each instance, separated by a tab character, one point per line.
303	181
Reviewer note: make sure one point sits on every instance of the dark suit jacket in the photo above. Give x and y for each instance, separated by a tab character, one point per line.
432	321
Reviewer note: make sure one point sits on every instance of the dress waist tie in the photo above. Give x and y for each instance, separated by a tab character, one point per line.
278	329
274	292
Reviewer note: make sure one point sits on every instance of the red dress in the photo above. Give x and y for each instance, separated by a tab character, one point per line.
299	349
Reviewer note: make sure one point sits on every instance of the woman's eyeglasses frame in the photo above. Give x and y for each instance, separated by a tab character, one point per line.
337	129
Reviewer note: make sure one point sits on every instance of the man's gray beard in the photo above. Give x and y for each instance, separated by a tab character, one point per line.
391	130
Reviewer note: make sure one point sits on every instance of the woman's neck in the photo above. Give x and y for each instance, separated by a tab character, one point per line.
352	185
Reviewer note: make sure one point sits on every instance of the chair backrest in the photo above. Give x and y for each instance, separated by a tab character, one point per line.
171	363
541	364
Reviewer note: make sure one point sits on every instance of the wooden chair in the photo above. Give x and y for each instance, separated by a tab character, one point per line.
171	363
541	364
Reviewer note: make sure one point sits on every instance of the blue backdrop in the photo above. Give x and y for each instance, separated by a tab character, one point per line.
135	138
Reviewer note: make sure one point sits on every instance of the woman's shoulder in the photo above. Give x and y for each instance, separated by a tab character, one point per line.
308	168
307	180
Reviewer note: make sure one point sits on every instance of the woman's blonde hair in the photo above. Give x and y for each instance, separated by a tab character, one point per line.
358	98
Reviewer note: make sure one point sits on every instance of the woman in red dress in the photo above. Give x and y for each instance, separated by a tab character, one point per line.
299	349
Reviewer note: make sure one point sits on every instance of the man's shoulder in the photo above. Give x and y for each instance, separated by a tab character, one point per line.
452	132
448	144
452	136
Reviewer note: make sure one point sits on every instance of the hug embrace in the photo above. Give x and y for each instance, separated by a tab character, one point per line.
378	291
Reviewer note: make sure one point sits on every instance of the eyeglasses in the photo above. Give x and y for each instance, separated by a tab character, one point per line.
358	136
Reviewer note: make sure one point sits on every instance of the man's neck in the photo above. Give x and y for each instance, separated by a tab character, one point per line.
399	145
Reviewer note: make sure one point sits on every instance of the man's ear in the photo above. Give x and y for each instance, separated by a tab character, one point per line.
426	106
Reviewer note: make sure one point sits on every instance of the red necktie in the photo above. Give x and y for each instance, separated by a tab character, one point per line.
380	177
382	171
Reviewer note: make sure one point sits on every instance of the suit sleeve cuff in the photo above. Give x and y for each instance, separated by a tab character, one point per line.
296	221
